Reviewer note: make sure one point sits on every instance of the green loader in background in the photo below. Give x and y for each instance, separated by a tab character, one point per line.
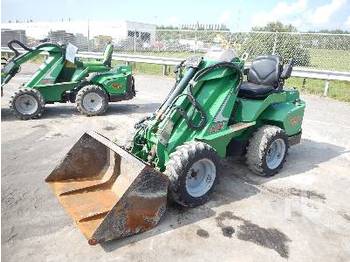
211	113
63	78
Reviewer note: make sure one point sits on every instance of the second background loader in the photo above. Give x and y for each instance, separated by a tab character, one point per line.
64	78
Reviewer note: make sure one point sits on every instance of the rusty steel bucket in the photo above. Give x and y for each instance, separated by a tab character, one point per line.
109	193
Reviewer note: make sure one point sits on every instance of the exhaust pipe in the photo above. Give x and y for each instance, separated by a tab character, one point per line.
109	193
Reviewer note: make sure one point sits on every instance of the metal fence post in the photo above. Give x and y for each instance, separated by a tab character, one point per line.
274	43
195	40
165	70
134	41
303	86
326	87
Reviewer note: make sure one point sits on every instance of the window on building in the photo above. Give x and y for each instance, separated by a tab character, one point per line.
145	37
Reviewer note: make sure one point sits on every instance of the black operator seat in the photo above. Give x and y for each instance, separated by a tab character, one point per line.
263	77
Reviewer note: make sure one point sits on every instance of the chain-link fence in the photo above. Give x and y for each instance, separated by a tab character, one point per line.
311	50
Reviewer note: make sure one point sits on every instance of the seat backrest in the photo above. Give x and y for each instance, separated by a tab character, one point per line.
107	55
266	70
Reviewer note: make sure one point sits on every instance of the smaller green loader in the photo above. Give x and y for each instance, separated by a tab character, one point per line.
112	192
63	78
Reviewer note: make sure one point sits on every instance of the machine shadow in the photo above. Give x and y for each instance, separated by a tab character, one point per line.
67	111
300	159
237	183
229	189
115	109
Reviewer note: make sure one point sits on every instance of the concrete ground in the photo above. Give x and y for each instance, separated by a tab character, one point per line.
301	214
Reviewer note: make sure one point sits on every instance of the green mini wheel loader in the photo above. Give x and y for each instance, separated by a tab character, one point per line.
91	85
112	191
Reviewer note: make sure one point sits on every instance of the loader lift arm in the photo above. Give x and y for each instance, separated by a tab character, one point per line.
14	64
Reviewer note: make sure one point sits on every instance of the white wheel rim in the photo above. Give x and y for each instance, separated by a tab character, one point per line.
275	153
92	102
200	177
26	104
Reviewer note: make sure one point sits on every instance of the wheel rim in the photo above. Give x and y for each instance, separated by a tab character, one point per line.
92	102
200	178
26	104
275	153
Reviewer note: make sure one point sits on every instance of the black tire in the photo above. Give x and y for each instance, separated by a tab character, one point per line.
179	166
133	91
259	146
32	95
91	111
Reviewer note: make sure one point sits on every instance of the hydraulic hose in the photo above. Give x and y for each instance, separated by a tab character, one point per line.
176	91
167	101
200	74
10	45
177	69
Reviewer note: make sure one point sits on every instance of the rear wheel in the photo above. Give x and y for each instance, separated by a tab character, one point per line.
27	103
192	169
92	100
267	150
133	86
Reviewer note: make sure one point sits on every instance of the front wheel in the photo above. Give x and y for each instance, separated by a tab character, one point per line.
27	103
192	170
92	100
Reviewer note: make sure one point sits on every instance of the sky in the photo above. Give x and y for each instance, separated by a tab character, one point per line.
238	15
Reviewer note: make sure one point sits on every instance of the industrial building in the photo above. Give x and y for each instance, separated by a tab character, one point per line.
7	35
61	36
119	31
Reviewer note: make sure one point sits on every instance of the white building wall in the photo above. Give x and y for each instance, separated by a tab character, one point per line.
142	27
118	30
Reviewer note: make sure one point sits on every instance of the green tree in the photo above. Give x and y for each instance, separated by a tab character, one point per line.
276	27
100	42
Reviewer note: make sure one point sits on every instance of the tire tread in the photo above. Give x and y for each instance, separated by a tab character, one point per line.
257	147
179	161
87	89
36	93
